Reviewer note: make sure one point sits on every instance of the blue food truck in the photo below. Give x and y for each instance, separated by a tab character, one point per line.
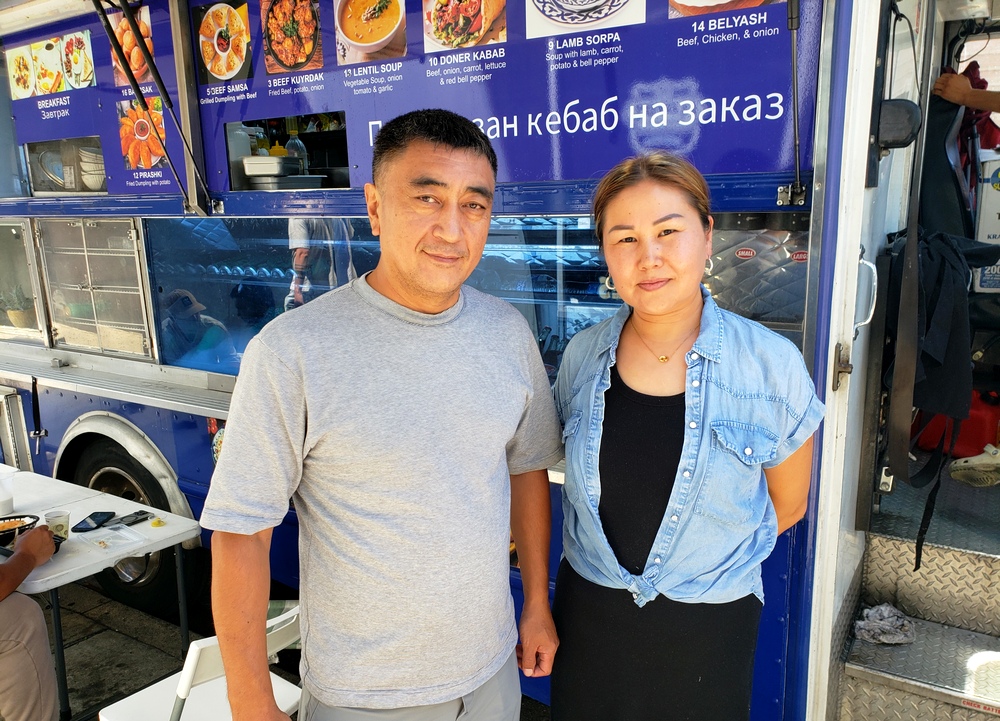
166	160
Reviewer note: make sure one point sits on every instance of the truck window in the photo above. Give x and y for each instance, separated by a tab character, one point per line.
92	276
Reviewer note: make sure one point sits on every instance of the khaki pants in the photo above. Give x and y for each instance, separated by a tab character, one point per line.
27	675
499	699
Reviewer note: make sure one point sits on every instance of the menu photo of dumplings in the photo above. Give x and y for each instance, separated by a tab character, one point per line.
223	39
130	42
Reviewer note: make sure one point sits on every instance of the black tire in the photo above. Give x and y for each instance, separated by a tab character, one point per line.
148	583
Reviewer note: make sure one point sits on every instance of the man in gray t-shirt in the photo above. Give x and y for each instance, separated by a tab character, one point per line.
410	419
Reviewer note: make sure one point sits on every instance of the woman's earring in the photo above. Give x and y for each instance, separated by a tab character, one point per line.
609	283
709	266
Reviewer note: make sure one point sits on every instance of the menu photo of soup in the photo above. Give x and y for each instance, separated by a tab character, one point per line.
223	40
292	38
370	30
450	24
545	18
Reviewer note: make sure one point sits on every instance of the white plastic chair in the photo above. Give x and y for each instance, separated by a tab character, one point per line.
200	687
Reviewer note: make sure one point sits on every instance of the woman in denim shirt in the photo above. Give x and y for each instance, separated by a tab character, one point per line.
688	434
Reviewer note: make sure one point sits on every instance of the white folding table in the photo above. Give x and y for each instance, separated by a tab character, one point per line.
78	558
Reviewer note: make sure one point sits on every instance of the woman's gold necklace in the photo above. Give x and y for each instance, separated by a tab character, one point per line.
661	358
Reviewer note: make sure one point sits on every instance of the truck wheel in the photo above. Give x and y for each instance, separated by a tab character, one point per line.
148	583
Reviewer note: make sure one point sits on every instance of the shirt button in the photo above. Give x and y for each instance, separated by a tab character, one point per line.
694	356
748	451
656	560
635	595
674	518
686	474
696	383
692	424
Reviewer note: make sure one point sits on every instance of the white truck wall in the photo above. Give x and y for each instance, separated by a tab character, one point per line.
865	216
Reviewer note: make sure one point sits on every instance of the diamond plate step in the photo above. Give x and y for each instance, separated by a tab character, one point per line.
953	587
946	673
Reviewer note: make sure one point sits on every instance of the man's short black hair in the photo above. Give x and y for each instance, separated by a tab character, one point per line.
441	127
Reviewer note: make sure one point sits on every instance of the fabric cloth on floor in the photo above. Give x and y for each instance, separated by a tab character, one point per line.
884	624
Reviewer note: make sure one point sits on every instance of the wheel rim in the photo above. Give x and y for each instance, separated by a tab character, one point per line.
135	570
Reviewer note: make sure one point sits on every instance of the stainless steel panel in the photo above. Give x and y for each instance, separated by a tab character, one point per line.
867	701
952	660
840	645
953	587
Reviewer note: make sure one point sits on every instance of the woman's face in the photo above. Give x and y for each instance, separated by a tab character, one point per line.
656	248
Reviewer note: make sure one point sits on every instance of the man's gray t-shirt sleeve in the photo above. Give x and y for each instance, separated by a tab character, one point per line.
537	443
298	234
261	460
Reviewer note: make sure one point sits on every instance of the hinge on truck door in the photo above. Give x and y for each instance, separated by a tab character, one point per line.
842	365
792	194
885	482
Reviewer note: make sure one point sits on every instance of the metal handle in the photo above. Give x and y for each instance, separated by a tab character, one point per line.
871	302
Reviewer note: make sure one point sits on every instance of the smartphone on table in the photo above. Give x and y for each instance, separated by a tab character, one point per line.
94	520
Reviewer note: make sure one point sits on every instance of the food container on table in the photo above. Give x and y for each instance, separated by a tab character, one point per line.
291	182
13	526
261	165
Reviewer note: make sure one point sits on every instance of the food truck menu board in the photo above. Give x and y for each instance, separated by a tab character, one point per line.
77	115
565	88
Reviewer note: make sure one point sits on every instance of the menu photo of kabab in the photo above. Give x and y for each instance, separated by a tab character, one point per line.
130	46
452	24
369	30
142	134
292	39
544	18
223	42
687	8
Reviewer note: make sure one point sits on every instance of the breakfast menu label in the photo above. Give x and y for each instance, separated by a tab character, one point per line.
564	88
67	85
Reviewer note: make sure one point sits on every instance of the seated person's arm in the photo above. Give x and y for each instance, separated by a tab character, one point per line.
30	551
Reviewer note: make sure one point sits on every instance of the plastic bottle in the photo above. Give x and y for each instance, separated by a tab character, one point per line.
276	150
239	148
296	148
263	145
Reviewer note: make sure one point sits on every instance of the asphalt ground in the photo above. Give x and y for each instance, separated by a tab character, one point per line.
113	650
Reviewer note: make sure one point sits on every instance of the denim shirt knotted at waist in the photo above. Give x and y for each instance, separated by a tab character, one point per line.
749	404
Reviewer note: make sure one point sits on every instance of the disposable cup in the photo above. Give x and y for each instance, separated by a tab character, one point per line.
58	523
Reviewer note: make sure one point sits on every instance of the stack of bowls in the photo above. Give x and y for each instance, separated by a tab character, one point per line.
92	168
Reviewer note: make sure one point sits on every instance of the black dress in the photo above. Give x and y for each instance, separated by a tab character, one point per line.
666	661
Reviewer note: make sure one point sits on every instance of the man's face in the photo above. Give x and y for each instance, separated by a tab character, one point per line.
430	209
